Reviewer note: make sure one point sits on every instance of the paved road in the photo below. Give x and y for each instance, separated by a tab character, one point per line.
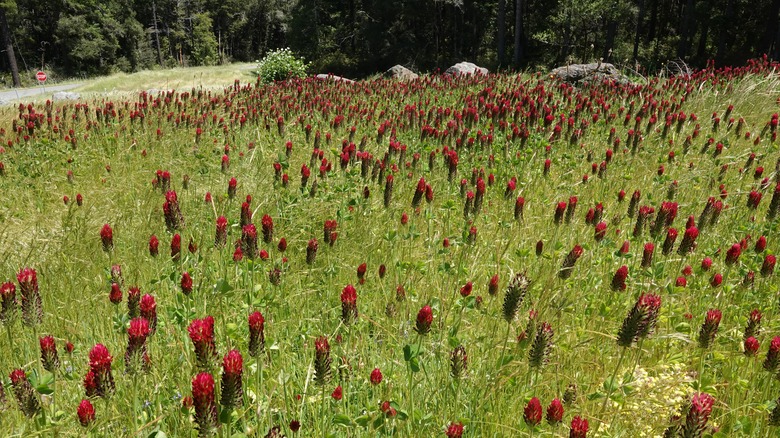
7	96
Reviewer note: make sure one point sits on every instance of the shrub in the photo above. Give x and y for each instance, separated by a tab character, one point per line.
281	64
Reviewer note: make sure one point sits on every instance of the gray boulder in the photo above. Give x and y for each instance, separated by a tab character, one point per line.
401	73
329	77
465	68
593	72
65	95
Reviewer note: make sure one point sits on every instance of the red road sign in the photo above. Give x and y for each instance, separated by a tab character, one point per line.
41	76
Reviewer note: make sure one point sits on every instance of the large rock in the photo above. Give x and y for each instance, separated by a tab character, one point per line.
465	68
65	95
330	77
401	73
594	72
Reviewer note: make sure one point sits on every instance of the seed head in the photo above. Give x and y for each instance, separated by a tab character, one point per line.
515	293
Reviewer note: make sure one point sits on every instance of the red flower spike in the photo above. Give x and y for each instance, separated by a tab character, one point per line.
568	263
454	430
554	412
86	413
337	393
232	187
136	355
619	279
698	415
709	328
311	251
668	245
256	333
232	370
205	404
376	376
689	241
600	231
647	255
493	285
349	310
578	428
9	309
532	413
100	367
424	320
148	308
49	358
466	289
249	241
107	237
268	228
24	393
201	333
773	356
220	236
154	246
716	280
768	267
115	296
361	272
176	247
732	255
751	346
760	245
186	283
174	219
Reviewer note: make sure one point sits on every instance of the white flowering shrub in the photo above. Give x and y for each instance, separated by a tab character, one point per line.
280	65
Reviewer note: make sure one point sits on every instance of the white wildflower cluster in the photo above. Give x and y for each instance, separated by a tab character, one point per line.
655	396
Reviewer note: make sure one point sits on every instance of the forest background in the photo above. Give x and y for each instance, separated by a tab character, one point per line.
357	38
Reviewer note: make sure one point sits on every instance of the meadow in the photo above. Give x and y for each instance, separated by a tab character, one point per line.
499	255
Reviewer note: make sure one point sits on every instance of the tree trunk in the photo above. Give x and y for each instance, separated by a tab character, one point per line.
771	28
640	17
9	48
686	22
723	32
651	28
701	51
519	40
501	31
610	39
156	33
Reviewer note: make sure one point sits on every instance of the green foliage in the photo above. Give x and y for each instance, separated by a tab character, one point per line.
281	64
358	38
204	43
92	39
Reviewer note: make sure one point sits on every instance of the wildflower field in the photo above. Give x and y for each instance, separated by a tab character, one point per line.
500	255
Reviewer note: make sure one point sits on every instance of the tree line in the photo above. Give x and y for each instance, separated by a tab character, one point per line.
361	37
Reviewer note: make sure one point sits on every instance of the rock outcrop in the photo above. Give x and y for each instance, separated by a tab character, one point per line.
465	68
401	73
598	72
329	77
